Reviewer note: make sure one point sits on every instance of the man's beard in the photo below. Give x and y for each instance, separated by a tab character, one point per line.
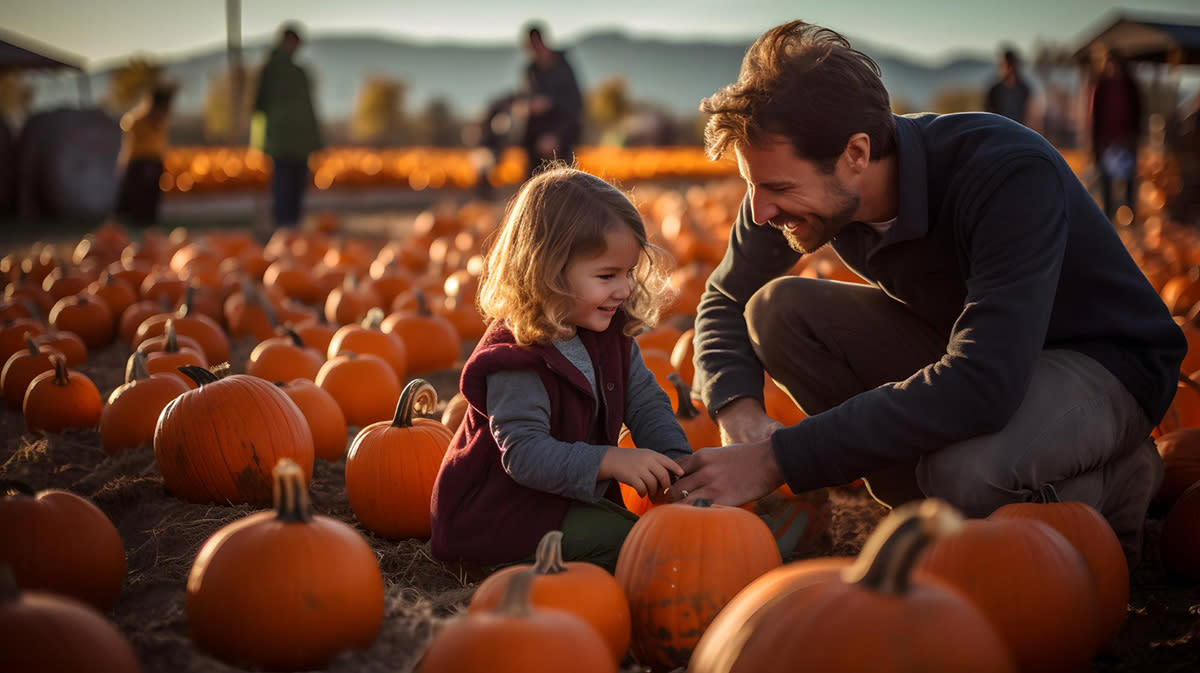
826	228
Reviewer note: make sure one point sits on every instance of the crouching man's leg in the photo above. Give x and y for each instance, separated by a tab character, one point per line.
1078	430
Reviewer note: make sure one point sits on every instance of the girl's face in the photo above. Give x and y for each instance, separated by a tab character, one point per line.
600	283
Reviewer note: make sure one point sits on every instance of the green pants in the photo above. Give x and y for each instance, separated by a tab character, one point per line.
592	532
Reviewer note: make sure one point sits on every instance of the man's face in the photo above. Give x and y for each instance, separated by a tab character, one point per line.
794	196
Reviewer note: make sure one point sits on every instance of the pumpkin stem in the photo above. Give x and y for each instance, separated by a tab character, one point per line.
296	340
422	304
189	295
12	487
374	318
201	375
686	410
887	559
62	376
172	337
515	601
135	368
256	298
31	344
548	559
702	502
9	592
420	396
292	501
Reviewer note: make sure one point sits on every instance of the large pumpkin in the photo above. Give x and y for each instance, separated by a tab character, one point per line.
325	418
1031	583
364	385
517	637
680	565
391	467
583	589
284	589
1090	534
217	443
873	615
58	542
44	632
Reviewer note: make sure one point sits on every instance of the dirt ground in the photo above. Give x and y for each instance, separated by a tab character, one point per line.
163	534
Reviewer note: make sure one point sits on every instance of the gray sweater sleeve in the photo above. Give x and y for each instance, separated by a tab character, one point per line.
519	417
648	413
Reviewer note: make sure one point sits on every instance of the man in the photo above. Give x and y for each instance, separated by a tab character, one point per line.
552	103
287	129
1010	95
1006	346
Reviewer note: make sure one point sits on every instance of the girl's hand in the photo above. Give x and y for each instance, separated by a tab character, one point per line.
645	470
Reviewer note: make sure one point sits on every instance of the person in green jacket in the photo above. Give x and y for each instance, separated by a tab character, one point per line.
286	126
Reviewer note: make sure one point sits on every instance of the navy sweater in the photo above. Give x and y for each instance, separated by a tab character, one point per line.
996	243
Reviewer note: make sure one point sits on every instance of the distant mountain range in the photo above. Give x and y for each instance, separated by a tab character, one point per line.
672	74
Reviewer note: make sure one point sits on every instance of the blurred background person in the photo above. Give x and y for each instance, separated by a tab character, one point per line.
552	103
285	126
140	162
1010	95
1115	121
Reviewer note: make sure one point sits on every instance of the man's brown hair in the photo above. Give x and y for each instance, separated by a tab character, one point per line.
807	84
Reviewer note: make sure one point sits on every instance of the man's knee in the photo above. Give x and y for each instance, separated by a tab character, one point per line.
776	310
975	486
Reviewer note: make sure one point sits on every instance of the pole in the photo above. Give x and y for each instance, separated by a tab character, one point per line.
237	72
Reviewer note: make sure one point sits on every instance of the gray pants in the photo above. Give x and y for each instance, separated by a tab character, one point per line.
1079	430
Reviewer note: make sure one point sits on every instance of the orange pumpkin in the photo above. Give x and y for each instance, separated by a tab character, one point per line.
1180	451
60	399
873	614
516	637
250	312
1087	531
129	418
583	589
350	302
430	341
189	322
681	356
299	613
454	412
22	367
216	443
670	601
172	356
1030	582
86	315
284	358
1179	543
325	418
59	542
368	338
391	467
365	387
67	343
48	632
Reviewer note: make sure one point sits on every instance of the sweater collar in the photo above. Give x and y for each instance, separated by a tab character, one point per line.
912	220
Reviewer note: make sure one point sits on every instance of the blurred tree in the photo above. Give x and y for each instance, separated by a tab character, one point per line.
378	116
16	96
957	99
438	125
131	82
219	122
605	107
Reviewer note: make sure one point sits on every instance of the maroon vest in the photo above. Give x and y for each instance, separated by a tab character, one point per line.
479	513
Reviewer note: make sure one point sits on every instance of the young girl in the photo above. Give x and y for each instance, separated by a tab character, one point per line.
570	279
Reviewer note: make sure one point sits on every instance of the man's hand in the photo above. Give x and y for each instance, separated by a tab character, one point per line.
743	420
728	475
646	470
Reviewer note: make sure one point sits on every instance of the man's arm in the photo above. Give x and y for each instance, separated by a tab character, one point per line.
728	374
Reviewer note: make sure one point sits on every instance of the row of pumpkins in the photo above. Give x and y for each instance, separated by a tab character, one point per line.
1048	608
207	169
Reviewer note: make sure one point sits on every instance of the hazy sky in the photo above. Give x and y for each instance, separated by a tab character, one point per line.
103	31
